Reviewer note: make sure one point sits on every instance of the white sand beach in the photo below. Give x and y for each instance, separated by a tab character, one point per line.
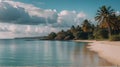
108	50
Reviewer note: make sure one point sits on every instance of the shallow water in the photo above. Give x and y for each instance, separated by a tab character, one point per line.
48	54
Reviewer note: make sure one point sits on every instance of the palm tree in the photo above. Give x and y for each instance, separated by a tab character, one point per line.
86	26
103	17
115	23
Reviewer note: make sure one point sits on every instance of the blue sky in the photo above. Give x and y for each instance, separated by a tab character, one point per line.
87	6
21	18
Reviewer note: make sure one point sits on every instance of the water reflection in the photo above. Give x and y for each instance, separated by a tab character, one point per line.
48	53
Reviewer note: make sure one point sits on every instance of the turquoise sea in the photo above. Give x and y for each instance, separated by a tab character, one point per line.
40	53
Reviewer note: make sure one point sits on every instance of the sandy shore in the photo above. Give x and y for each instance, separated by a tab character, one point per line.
102	42
85	40
109	50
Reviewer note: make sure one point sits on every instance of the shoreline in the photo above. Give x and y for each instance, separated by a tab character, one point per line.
108	50
101	42
84	41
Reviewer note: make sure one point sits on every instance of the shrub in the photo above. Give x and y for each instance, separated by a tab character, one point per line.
52	35
115	38
81	35
101	34
90	36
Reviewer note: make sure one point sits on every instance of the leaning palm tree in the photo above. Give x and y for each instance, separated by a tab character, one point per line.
103	16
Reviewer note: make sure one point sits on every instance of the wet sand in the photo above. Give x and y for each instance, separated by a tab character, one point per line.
108	50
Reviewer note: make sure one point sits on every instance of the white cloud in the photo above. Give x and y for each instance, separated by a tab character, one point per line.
4	0
16	30
69	18
117	13
20	19
21	13
81	15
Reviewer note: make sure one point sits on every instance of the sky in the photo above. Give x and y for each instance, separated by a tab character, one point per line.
26	18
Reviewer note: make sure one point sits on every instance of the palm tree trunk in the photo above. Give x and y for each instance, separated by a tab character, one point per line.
109	30
109	27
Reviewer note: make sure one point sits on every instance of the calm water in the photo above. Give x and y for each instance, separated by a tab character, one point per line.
48	54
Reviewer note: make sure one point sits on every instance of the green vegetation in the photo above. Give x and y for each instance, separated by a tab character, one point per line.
108	27
101	34
103	16
75	32
115	38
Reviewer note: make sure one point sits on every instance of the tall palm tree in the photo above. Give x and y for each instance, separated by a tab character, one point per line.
103	16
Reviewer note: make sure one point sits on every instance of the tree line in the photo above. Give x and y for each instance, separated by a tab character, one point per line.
108	27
